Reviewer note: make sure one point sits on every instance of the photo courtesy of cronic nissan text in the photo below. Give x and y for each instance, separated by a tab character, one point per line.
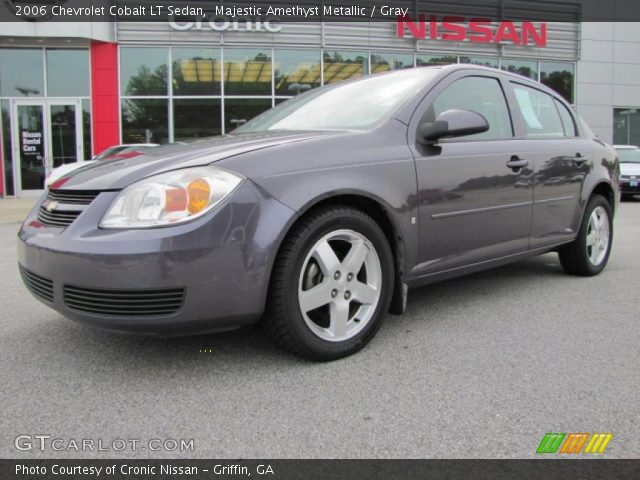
330	239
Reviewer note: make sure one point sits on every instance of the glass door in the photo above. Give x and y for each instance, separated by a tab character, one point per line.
65	134
47	134
29	146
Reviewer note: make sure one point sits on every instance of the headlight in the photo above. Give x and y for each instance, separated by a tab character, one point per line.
170	198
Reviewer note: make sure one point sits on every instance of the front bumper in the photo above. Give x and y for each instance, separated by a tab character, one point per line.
221	261
627	189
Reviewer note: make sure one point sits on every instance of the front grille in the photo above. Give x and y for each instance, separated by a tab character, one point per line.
39	286
62	207
73	197
124	303
57	218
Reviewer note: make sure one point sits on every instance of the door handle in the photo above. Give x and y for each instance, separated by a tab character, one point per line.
517	163
579	160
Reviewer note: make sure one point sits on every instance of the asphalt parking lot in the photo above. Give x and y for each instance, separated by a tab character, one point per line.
481	366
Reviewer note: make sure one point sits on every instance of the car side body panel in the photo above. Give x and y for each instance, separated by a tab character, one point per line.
448	215
373	165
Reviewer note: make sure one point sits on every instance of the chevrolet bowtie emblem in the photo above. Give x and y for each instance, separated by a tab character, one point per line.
51	206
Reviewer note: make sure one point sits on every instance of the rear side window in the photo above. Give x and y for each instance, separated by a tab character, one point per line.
482	95
567	120
539	112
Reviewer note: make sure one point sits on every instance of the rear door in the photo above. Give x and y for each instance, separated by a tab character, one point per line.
474	196
560	160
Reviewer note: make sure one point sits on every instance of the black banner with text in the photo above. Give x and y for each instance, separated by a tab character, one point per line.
319	469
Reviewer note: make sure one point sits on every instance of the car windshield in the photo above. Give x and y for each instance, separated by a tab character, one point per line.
110	151
121	150
629	155
351	106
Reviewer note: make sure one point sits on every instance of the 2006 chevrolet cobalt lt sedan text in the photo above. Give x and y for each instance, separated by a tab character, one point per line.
317	215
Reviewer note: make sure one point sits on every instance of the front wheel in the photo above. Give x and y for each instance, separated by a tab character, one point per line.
589	254
331	285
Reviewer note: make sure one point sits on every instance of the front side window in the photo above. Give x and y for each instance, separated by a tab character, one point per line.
482	95
539	112
354	105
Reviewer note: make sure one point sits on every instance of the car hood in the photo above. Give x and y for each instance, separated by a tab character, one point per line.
118	174
66	169
630	169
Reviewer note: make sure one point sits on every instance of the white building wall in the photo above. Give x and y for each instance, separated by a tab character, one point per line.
608	73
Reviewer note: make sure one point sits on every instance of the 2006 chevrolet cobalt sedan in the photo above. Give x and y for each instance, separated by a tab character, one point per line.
318	215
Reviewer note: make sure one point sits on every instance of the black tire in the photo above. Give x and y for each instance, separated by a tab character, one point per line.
284	320
574	257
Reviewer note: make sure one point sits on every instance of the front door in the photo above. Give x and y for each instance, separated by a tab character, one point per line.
474	192
46	134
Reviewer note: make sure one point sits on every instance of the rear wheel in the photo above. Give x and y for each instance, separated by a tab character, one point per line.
331	286
589	254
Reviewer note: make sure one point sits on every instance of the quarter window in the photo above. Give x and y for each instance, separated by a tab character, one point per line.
539	112
567	120
482	95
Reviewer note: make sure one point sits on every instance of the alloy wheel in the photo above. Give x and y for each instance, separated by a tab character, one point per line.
598	236
339	285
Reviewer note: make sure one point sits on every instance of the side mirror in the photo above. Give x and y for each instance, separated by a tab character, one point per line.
452	123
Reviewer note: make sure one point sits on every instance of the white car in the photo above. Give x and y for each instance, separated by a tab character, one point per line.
629	157
111	153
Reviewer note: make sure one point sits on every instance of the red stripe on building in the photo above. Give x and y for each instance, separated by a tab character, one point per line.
104	95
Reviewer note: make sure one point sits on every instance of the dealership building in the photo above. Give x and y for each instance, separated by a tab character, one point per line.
70	90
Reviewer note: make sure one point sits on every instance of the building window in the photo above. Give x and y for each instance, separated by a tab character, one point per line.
382	62
341	65
196	118
558	76
60	63
239	111
484	61
145	121
196	71
247	72
525	68
433	60
143	71
21	73
296	71
626	126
